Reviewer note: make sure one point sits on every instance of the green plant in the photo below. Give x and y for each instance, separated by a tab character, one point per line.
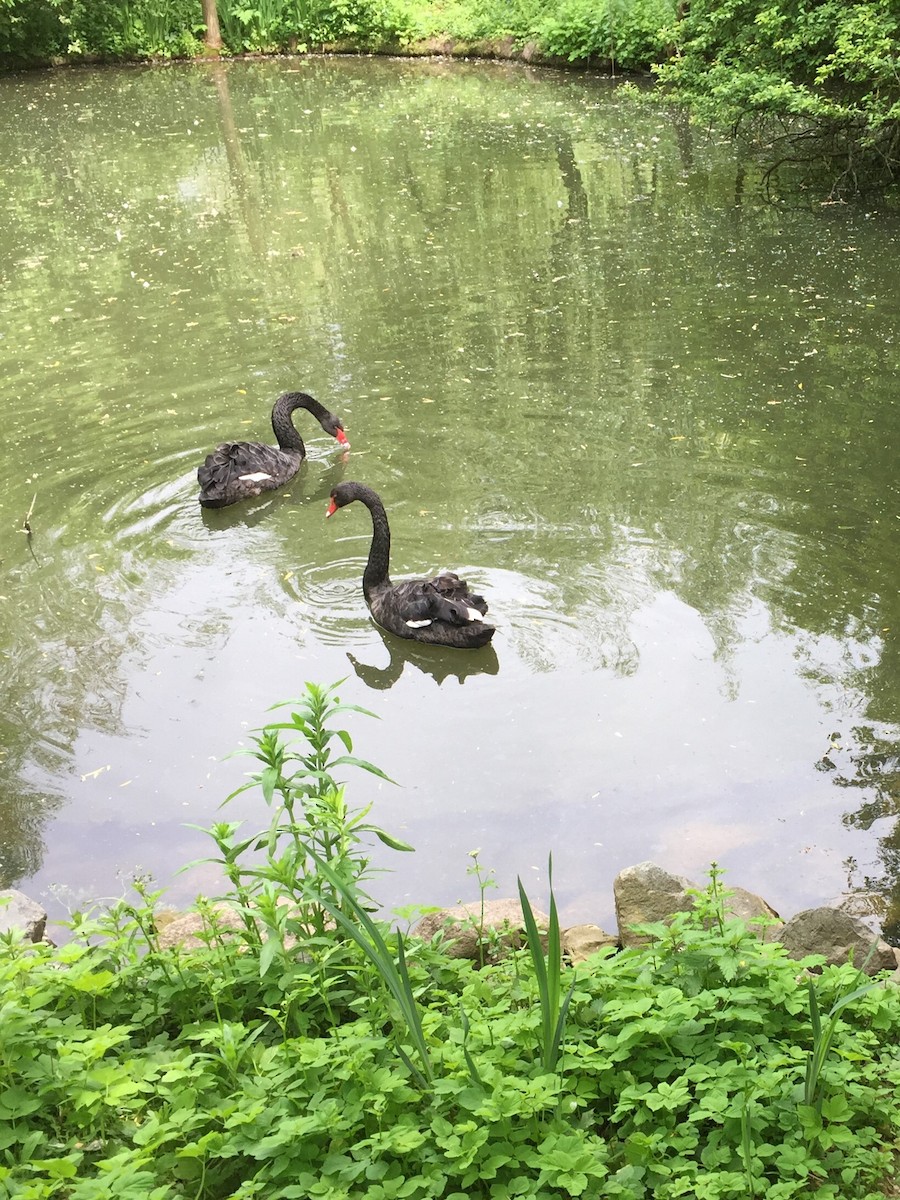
548	973
823	1038
309	823
361	1064
628	35
356	922
813	82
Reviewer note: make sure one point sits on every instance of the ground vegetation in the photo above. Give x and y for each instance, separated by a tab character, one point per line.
311	1048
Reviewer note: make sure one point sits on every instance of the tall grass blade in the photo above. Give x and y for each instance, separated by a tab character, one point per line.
823	1036
548	974
373	945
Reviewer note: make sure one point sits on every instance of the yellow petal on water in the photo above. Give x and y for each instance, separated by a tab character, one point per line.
288	575
773	402
427	400
90	556
94	774
678	437
125	783
172	412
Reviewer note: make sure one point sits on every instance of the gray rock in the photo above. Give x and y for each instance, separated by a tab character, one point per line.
579	942
837	936
468	935
648	893
747	906
22	913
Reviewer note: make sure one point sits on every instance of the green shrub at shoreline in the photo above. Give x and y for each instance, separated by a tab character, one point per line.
314	1051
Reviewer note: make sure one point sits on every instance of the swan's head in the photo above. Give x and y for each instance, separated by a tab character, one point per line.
335	426
345	493
334	503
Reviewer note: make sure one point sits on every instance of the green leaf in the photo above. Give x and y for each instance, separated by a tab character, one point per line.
389	840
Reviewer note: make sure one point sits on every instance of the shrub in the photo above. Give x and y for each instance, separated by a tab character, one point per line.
628	34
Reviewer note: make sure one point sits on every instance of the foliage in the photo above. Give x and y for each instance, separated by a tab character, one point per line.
30	32
129	29
690	1065
819	77
304	24
627	33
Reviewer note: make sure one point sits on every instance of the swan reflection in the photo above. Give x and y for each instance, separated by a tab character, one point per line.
440	664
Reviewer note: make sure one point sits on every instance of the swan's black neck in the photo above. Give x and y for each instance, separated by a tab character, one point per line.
376	572
286	435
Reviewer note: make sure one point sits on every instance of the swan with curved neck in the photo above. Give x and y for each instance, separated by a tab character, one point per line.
440	611
237	470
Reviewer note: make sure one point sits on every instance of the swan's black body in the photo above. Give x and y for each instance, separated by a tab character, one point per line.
439	611
236	470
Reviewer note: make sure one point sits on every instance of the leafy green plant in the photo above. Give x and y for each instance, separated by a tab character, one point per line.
628	35
310	822
814	82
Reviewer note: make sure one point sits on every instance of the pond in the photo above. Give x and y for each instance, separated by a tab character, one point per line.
584	360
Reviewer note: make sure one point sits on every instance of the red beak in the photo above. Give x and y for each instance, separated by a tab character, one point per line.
342	437
332	508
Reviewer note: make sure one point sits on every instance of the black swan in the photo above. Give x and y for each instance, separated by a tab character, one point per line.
440	611
236	470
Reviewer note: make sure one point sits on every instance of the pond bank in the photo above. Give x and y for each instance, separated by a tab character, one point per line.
645	893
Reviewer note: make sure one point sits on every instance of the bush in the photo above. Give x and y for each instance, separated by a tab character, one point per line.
131	29
30	31
830	69
630	35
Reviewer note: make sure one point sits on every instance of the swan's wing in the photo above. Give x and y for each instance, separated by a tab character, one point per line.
232	461
420	603
450	586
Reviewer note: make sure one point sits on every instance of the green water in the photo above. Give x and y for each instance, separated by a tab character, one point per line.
653	417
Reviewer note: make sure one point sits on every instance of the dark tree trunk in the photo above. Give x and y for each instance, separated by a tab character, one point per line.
213	39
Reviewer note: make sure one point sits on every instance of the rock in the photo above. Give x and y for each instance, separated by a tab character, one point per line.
868	906
648	893
579	942
747	906
835	935
466	936
191	931
21	913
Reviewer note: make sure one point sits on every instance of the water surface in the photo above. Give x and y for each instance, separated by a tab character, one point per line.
653	417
